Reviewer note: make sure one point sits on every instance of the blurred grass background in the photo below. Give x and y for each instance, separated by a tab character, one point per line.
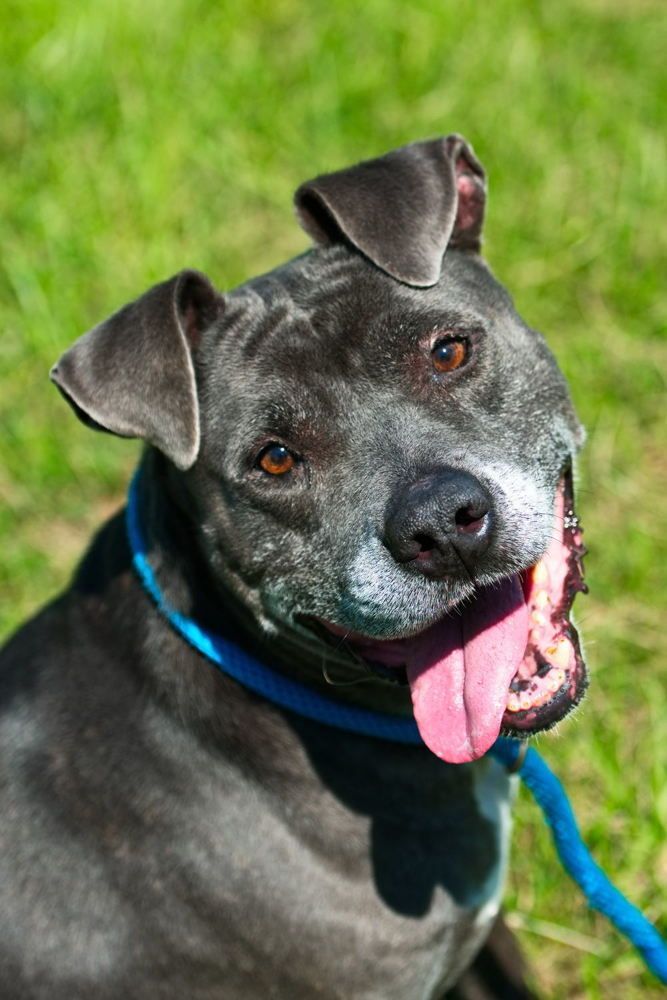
137	139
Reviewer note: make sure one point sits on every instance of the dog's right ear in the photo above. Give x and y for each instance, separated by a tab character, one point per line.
401	210
133	375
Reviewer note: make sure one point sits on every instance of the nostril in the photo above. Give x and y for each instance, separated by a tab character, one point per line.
471	518
425	542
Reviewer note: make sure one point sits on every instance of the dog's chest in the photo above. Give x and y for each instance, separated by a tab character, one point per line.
332	895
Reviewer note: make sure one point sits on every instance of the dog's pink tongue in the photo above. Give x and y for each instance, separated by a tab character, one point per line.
460	671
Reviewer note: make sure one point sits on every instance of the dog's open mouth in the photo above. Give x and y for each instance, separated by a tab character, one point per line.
508	661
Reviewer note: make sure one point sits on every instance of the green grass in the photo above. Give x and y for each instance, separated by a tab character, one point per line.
141	138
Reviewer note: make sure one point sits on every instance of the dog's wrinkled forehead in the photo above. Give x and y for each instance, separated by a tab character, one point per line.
337	310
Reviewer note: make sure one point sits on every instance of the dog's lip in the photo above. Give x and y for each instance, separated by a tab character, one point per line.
548	691
566	681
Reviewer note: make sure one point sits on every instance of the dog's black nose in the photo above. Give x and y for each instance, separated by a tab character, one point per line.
440	524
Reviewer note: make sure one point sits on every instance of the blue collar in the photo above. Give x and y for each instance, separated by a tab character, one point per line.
299	698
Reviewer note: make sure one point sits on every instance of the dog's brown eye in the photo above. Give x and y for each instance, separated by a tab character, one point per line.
450	354
276	459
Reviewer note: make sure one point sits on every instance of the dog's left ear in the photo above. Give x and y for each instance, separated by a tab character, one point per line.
403	209
133	375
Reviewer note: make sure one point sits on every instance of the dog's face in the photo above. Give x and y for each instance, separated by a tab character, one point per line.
377	449
336	445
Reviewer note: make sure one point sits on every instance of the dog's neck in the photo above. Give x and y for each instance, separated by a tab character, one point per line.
192	588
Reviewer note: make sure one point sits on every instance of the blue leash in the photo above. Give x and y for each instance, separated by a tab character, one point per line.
601	894
547	790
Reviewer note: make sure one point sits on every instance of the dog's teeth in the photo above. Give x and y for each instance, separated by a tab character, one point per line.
538	618
556	678
541	575
541	599
513	703
559	654
524	700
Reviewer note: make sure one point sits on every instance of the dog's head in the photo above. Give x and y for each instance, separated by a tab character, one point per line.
376	448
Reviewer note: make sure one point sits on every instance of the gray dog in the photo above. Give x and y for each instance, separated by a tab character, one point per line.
358	473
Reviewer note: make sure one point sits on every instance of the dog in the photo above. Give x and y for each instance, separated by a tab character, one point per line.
357	472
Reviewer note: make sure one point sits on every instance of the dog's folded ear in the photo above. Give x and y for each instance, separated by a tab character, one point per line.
401	210
133	375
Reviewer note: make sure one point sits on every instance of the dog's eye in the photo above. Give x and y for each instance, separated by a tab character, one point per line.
276	459
450	354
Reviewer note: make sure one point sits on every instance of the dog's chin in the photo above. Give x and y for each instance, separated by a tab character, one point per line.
411	616
506	660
